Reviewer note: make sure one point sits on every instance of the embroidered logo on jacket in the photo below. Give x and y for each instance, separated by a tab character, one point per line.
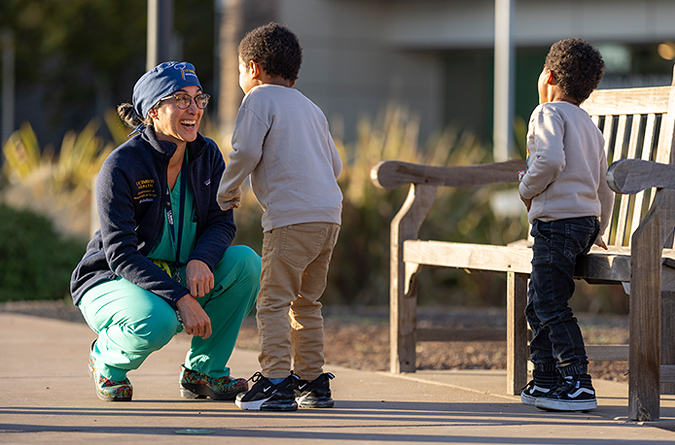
145	191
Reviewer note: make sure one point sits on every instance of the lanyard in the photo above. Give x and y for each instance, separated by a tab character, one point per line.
176	241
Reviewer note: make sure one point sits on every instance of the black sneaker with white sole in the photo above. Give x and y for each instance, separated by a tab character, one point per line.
574	393
540	385
314	394
266	396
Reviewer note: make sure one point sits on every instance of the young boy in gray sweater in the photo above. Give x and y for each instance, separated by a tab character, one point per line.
283	141
569	206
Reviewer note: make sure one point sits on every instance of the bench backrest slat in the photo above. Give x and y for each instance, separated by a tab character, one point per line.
647	154
635	124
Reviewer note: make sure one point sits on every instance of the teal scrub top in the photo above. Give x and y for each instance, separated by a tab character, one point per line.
164	249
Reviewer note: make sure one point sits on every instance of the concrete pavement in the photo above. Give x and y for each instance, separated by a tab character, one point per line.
46	396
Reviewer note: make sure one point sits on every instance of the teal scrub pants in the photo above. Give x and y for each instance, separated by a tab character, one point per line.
132	322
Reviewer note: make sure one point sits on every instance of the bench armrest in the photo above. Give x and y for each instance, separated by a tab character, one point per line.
393	174
630	176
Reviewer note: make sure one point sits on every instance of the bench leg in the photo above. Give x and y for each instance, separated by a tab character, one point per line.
516	333
403	321
644	358
667	336
403	308
403	334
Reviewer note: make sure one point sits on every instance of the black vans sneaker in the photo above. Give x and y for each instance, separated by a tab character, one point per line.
266	396
541	384
314	394
574	393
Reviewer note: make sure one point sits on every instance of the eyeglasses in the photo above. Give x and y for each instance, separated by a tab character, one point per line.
183	101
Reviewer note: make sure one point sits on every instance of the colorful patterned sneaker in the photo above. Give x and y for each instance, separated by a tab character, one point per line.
195	385
541	384
314	394
266	396
574	393
110	390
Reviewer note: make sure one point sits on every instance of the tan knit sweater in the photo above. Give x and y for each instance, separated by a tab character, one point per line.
567	166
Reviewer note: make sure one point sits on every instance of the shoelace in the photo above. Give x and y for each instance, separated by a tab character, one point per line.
565	385
255	377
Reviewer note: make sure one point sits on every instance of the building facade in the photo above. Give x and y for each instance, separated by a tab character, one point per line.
435	57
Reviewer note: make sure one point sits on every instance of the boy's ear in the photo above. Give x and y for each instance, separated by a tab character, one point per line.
549	78
255	69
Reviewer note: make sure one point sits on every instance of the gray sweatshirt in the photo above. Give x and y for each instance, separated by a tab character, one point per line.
282	140
567	166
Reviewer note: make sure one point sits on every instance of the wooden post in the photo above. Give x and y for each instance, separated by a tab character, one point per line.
644	359
667	336
403	309
516	333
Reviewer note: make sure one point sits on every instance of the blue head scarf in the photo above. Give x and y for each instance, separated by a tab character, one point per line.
160	82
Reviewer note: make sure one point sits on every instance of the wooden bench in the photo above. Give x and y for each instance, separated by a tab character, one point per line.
637	123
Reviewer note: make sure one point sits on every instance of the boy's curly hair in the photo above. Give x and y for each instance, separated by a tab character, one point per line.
275	48
577	66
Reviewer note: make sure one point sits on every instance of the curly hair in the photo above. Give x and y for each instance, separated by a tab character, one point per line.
577	67
275	48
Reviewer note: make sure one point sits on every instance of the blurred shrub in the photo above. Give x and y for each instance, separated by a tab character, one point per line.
45	211
58	186
360	269
35	261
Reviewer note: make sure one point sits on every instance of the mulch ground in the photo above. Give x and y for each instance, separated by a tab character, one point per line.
358	338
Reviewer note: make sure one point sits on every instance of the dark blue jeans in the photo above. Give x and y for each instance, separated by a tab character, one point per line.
557	342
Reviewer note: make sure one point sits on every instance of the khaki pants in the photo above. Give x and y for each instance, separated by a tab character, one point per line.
295	263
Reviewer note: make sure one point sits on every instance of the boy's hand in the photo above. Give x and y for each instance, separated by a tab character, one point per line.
527	202
601	243
230	199
229	205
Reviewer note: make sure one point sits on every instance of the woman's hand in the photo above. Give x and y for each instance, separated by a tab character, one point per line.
195	320
199	282
199	278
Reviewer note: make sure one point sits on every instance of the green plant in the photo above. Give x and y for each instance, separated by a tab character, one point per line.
22	154
360	268
58	186
45	211
80	158
35	262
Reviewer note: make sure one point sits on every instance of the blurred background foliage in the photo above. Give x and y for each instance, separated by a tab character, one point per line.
35	260
68	52
48	199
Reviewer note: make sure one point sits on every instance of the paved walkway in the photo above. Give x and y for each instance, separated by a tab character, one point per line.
46	396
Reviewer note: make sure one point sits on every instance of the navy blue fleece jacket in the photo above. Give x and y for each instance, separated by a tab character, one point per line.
130	194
